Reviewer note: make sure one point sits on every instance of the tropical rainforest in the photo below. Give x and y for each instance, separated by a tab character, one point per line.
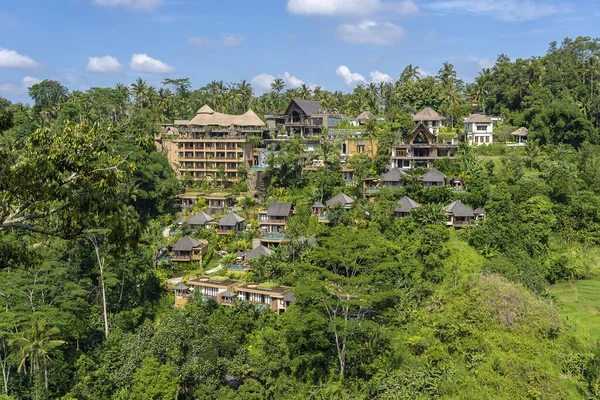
386	308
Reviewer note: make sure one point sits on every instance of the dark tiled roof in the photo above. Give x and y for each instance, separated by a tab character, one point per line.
311	241
200	219
458	209
340	198
181	286
289	296
231	219
479	211
433	175
227	293
258	252
406	205
186	243
394	175
279	209
309	106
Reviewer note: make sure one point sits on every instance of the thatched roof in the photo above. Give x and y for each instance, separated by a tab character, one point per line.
186	243
433	175
207	117
479	211
458	209
394	175
231	219
340	198
201	218
365	116
478	119
406	205
279	209
317	204
521	132
227	293
258	252
428	114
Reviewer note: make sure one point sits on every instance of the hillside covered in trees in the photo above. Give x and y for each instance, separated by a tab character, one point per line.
386	308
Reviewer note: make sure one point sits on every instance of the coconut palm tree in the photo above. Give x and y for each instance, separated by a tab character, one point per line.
35	344
410	74
446	73
139	90
305	92
451	97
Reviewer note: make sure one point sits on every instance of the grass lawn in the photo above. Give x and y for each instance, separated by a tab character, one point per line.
579	303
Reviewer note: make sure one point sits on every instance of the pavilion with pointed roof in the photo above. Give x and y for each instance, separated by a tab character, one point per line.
231	223
459	215
200	220
341	198
189	249
405	206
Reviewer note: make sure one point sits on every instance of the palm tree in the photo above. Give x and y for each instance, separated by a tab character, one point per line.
446	73
304	91
532	150
36	344
139	90
245	90
325	152
594	70
278	85
410	74
451	97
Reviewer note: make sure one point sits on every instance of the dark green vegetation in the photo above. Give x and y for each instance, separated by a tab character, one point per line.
387	308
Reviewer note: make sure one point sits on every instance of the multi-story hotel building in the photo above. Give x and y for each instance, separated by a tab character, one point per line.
211	145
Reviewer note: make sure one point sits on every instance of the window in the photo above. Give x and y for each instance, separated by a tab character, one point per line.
487	139
482	127
360	148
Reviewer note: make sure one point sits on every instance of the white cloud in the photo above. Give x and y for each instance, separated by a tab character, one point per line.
29	81
106	64
144	63
225	40
349	7
18	89
142	5
351	79
378	77
422	73
370	32
504	10
291	81
12	59
485	63
262	82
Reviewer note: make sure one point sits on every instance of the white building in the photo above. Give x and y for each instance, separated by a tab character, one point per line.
479	129
431	119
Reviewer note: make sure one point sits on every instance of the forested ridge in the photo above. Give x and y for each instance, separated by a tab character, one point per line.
386	308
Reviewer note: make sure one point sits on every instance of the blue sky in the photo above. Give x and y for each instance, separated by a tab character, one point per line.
335	44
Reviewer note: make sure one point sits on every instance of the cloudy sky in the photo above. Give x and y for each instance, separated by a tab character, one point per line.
335	44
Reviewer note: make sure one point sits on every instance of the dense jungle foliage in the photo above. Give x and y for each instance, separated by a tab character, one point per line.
386	308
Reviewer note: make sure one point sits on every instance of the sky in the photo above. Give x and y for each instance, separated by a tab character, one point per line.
335	44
